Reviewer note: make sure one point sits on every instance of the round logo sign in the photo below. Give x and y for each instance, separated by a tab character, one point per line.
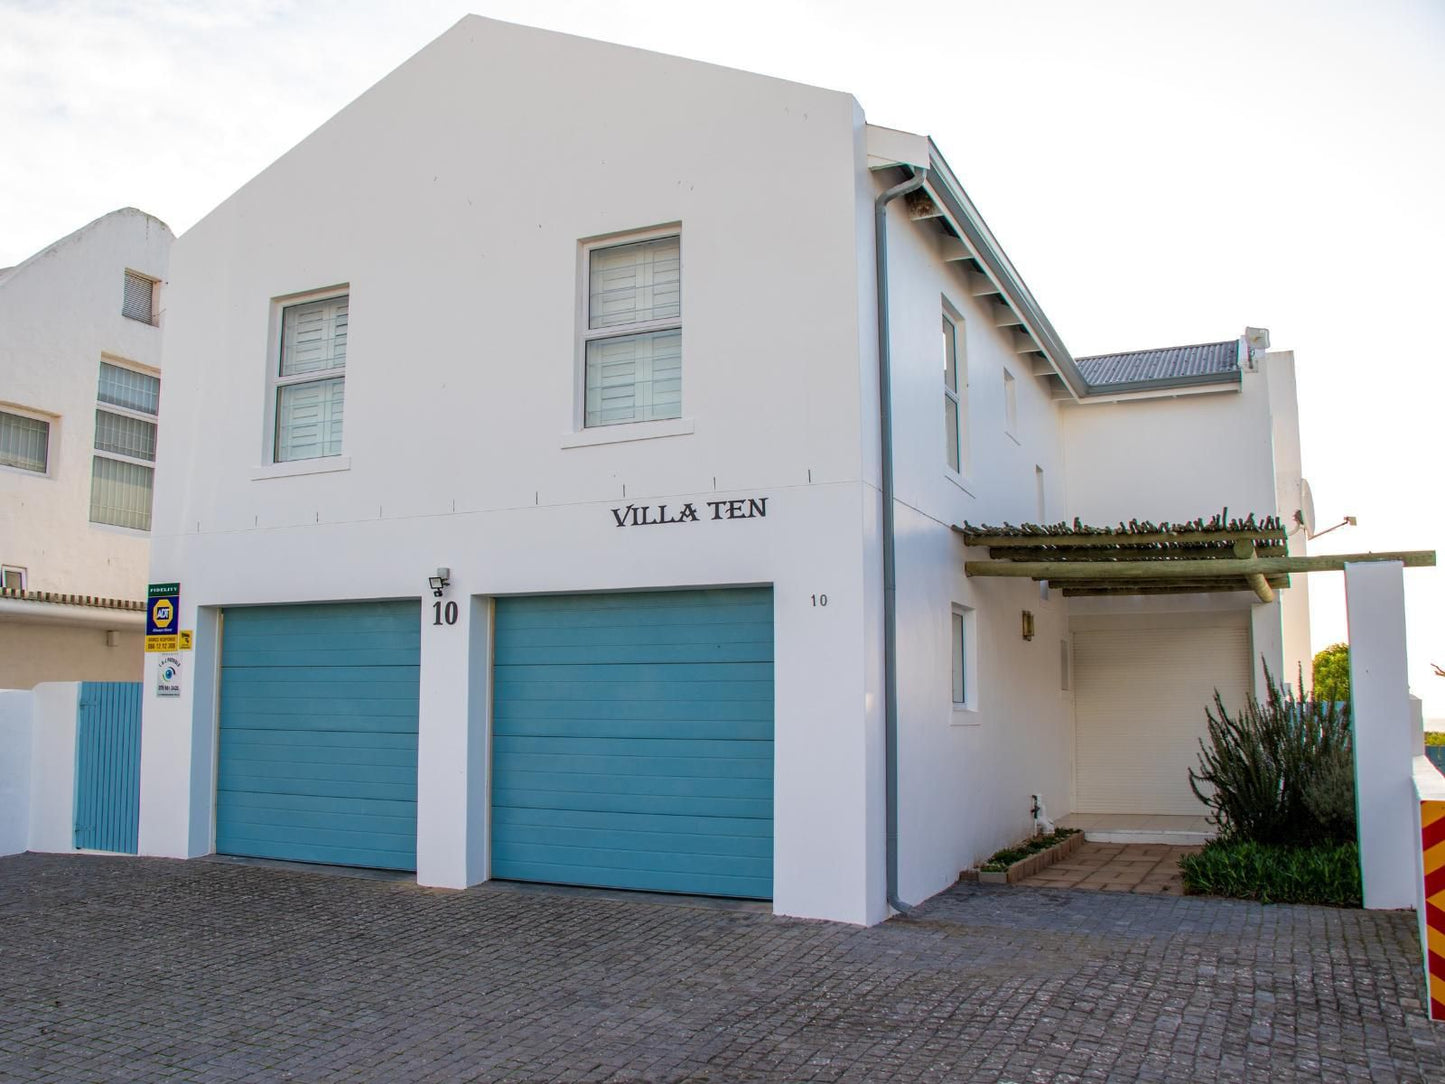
163	613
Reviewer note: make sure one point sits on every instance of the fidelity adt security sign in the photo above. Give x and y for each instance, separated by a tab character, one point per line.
163	609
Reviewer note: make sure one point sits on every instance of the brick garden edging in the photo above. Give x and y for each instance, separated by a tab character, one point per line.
1027	867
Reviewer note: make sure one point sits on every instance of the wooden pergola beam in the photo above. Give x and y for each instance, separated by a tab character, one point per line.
1124	570
1014	541
1114	553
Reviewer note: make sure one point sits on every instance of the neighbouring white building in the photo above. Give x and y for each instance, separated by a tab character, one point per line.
80	354
566	561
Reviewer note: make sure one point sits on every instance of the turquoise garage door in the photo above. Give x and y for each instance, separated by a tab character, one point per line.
318	733
632	741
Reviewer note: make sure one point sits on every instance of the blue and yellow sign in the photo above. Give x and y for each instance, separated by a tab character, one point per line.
163	617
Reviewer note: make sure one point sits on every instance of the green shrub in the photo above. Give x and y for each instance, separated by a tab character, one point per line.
1001	860
1330	673
1281	772
1327	873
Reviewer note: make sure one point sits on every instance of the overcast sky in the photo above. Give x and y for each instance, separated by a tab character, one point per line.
1161	173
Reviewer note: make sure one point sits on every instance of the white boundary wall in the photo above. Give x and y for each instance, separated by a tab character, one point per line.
37	767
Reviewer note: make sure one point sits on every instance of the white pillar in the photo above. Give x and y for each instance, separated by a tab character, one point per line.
178	746
1384	744
451	823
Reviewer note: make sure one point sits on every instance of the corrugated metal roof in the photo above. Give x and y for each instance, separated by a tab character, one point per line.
1171	364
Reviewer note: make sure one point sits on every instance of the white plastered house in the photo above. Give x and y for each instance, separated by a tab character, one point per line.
522	481
80	354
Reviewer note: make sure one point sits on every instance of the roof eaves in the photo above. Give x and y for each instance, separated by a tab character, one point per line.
981	239
1193	380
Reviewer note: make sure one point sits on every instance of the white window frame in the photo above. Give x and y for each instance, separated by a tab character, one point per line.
52	423
154	319
582	434
124	412
6	570
275	382
1010	405
965	712
958	395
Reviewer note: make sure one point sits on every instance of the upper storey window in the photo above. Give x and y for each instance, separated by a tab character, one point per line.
139	299
309	379
632	331
122	473
24	442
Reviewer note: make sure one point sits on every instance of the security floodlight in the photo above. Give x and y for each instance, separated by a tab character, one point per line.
440	581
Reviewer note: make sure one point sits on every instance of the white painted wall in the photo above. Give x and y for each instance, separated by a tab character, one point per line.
32	652
1181	457
966	777
52	766
16	713
60	313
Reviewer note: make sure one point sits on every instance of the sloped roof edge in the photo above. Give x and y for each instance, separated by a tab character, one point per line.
12	272
980	238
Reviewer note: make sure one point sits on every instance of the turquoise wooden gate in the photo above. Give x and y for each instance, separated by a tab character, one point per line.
632	741
107	767
319	733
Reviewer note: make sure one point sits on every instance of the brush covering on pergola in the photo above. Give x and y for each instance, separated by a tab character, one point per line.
1142	558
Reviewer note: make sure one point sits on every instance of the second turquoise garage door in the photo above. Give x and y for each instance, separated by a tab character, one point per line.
632	741
319	733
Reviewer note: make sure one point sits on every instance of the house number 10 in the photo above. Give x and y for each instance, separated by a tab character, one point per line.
820	600
444	614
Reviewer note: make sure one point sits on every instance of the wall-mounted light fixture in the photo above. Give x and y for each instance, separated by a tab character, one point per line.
440	581
1028	625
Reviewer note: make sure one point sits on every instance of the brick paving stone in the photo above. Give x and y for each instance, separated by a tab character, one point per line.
116	969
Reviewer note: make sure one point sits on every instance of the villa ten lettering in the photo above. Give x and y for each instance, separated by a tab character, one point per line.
655	515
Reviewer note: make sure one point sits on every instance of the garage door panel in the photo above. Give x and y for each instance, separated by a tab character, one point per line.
635	717
639	778
1140	699
304	808
662	805
700	749
334	743
688	692
516	818
707	844
632	610
318	742
603	875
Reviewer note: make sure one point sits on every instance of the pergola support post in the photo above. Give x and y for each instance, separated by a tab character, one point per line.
1384	745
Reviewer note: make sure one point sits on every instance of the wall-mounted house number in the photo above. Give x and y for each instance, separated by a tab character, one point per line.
657	515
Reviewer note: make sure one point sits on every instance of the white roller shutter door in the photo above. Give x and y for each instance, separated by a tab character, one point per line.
1139	700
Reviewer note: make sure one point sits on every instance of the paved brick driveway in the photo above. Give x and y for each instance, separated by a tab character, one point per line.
125	969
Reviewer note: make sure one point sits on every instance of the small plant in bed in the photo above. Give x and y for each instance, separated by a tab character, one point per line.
1325	873
999	861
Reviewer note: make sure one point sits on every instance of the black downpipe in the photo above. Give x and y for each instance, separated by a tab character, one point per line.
890	571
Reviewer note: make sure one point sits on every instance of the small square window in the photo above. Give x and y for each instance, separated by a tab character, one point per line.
24	442
12	578
632	332
138	302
